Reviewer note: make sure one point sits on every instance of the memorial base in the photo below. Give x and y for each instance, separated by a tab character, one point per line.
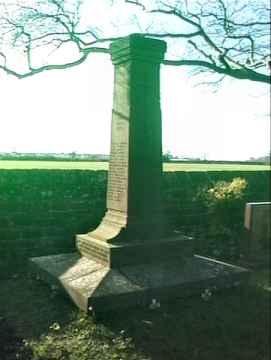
92	285
116	255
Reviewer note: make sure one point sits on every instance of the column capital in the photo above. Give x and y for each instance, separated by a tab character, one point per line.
137	47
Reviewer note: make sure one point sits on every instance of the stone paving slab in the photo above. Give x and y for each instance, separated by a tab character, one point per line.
93	285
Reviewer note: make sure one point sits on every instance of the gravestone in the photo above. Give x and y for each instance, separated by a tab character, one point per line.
133	256
257	235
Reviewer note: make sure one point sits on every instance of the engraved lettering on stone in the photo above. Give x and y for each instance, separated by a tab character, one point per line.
118	167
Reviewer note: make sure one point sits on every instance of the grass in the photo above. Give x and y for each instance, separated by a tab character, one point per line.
234	325
101	165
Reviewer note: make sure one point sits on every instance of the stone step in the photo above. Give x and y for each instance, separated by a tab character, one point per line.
92	285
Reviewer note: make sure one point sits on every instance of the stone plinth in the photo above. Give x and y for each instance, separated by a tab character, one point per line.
116	255
92	285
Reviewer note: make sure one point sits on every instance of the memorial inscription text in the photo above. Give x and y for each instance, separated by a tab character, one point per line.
117	188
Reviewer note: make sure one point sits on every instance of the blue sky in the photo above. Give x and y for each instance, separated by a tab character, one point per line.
70	110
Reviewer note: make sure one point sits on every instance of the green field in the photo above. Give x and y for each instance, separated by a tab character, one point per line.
101	165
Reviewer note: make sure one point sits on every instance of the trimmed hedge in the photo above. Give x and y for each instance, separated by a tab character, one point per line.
42	210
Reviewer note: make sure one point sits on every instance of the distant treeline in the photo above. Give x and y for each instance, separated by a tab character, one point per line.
53	157
251	162
102	157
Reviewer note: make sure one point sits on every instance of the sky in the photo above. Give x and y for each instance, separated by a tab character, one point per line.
63	111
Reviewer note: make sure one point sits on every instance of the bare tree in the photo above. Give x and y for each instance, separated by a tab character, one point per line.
222	37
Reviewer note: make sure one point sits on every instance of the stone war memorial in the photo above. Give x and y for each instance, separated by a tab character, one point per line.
133	257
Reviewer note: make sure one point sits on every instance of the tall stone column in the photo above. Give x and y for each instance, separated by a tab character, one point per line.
135	170
134	210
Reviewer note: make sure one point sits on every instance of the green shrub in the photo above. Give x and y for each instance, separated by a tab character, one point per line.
224	202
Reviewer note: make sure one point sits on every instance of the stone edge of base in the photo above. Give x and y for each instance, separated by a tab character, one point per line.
237	276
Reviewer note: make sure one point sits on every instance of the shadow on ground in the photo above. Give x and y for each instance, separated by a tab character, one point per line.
231	325
31	306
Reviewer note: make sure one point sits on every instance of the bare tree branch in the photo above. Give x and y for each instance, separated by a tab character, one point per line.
242	74
205	35
135	2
